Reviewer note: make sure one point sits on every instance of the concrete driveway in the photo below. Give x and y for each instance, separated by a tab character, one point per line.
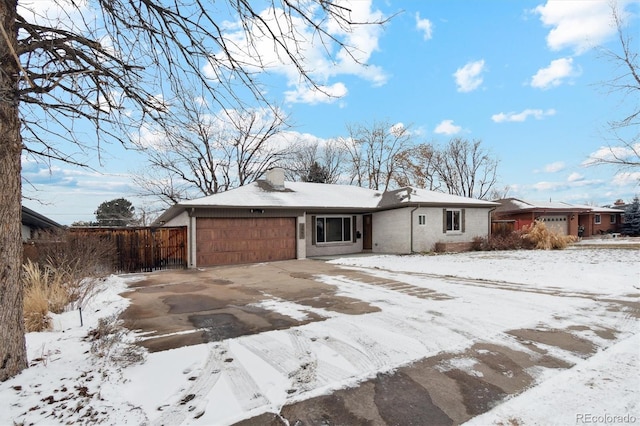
179	308
172	309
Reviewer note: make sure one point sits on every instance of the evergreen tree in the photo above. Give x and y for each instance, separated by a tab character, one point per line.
118	212
632	218
317	174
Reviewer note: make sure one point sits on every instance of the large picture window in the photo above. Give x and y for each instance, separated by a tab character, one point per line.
332	229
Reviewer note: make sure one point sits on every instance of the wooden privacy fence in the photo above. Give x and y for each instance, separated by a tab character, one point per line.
502	227
143	249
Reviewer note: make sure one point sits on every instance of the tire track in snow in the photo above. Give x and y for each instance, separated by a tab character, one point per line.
296	361
245	389
194	400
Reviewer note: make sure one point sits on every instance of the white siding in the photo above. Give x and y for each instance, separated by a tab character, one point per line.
26	233
392	229
301	246
180	220
425	236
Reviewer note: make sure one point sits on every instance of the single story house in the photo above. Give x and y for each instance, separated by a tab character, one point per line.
560	217
272	219
33	224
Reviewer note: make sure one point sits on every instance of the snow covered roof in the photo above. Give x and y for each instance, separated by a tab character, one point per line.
294	195
413	195
515	205
307	196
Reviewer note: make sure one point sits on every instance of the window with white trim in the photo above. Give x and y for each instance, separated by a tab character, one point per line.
612	218
333	229
453	220
597	219
422	219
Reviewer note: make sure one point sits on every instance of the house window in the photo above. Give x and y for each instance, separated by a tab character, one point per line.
332	229
422	219
453	221
596	219
612	218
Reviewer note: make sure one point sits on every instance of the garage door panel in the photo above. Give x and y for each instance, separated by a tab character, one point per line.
557	223
225	241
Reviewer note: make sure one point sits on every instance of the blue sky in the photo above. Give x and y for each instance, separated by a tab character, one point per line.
522	76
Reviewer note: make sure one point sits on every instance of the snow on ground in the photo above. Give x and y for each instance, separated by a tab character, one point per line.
447	303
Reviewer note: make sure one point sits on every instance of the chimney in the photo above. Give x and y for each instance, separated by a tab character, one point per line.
275	177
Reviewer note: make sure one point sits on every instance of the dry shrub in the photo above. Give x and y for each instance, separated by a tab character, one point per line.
63	273
512	240
81	254
543	239
77	260
108	341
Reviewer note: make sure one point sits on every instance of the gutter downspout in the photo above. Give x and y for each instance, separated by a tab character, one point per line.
191	241
489	230
411	243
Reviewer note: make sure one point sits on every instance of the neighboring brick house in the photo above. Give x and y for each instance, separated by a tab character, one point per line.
560	217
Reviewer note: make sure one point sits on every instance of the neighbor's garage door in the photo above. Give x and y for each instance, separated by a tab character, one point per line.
556	224
227	241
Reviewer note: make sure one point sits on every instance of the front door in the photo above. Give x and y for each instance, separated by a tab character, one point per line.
366	232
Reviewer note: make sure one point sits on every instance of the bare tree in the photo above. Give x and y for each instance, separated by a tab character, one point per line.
112	67
465	169
199	154
374	152
328	155
500	193
625	150
416	167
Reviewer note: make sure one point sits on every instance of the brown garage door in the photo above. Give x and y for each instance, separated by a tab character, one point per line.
227	241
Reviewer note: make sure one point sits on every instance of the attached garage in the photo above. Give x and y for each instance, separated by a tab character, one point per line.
227	241
556	223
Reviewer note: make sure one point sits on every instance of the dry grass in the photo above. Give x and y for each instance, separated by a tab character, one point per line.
62	276
48	289
544	239
536	236
44	292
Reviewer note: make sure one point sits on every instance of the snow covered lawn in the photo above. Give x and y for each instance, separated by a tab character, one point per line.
429	306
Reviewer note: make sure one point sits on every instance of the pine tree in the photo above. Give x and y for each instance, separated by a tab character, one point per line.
632	218
118	212
317	174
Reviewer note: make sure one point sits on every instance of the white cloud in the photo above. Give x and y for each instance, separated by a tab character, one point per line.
607	154
554	167
446	127
469	78
579	25
318	60
548	186
538	114
626	178
425	26
311	95
575	177
61	14
554	74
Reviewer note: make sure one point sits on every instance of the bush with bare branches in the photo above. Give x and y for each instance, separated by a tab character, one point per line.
63	273
544	239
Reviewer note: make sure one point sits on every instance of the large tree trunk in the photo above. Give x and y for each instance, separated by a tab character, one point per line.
13	352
